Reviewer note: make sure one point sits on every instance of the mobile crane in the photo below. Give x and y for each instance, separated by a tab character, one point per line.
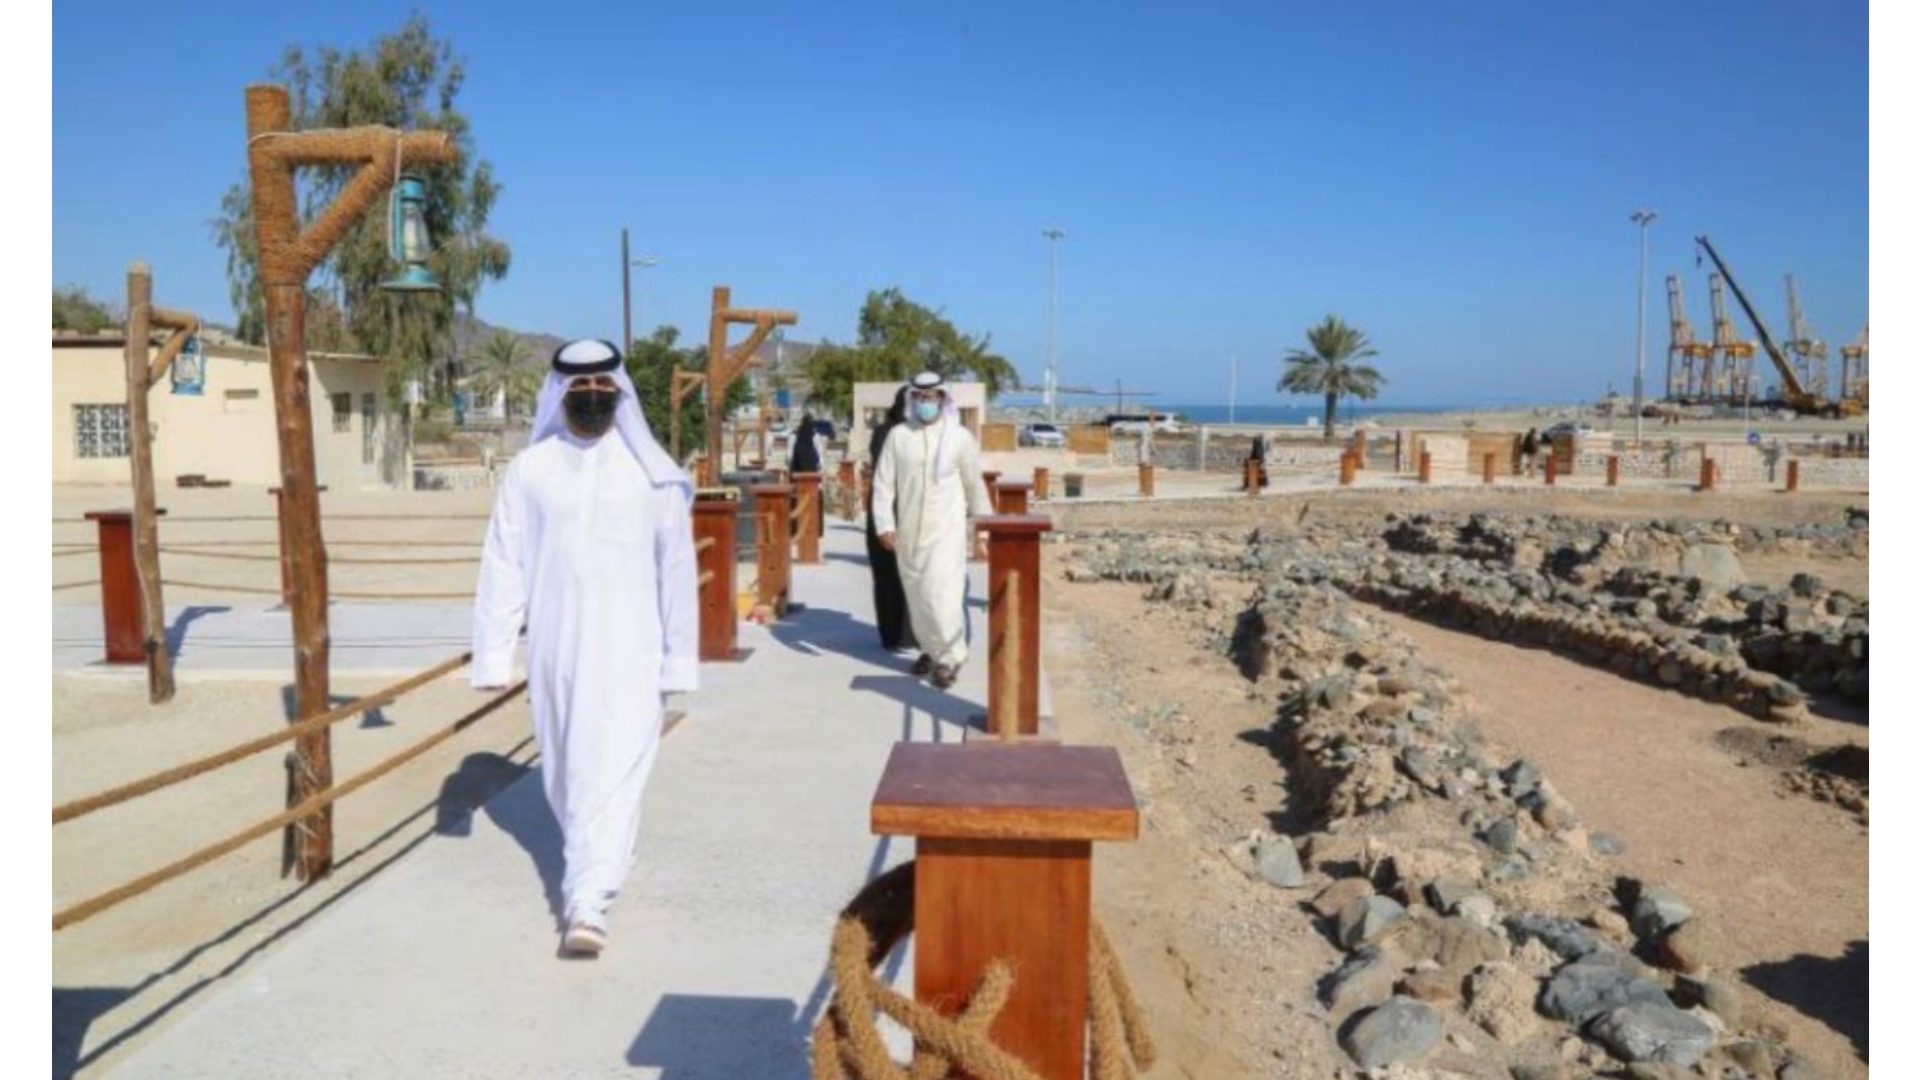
1793	394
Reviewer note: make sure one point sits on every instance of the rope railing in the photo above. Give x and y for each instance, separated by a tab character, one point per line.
340	560
332	594
79	808
92	906
702	544
76	584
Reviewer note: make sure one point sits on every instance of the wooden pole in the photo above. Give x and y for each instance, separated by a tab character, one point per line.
1553	468
287	256
808	521
1359	450
1793	474
716	388
1486	469
1040	488
146	528
1348	464
849	490
1426	466
1613	470
772	513
119	588
1013	623
715	528
1707	471
1146	480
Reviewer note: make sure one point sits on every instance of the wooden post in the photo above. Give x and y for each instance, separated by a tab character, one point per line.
1003	871
1553	468
1347	467
119	588
772	512
849	491
808	518
992	477
1359	449
1793	474
1146	479
715	521
287	256
1250	476
1040	489
1013	646
724	365
866	484
1486	469
1613	470
146	529
1707	472
1012	500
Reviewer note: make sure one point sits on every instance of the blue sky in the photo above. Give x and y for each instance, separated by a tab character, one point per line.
1454	178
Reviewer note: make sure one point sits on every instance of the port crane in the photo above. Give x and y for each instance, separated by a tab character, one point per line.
1695	356
1793	394
1732	368
1853	370
1809	353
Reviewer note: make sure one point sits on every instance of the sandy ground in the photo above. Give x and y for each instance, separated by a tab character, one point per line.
124	974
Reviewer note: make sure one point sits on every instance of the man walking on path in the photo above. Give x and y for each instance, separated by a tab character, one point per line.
591	547
925	488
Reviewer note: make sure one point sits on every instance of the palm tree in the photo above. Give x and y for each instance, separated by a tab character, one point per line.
1327	366
497	366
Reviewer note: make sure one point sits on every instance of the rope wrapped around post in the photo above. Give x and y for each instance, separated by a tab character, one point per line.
847	1043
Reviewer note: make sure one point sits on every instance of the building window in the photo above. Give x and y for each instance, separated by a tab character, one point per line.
369	406
342	413
100	431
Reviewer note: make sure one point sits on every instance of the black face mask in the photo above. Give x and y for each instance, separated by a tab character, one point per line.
590	412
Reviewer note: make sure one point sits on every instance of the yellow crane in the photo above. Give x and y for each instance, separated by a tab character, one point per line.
1792	393
1695	356
1809	353
1853	370
1731	377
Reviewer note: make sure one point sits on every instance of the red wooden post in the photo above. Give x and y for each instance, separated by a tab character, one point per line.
992	477
1486	469
772	514
849	492
1553	468
1707	472
1347	466
1793	474
1426	466
866	484
1013	651
120	588
1613	470
716	516
1250	476
1003	871
1040	490
1146	480
1012	499
808	521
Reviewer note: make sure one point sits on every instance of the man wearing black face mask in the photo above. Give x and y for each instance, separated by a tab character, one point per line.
591	548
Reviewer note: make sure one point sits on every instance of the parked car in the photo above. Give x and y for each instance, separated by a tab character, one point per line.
1578	430
1042	435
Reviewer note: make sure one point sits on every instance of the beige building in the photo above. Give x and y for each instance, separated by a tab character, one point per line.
227	431
871	400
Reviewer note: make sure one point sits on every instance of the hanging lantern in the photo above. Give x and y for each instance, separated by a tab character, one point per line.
189	369
407	239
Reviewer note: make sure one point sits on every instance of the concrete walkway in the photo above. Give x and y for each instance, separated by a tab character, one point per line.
227	641
755	835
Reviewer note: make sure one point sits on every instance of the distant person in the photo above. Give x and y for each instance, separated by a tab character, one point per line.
1530	448
805	458
889	596
591	547
925	488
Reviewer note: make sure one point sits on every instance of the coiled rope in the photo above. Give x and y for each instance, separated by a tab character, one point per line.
847	1043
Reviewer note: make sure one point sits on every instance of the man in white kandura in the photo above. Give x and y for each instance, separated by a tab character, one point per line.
591	547
925	487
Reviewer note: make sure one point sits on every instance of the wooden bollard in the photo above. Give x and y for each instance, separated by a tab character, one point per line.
1013	623
1553	469
1707	473
1347	466
866	484
1426	466
1359	450
1250	476
1040	489
1613	470
1793	474
1486	469
1012	499
1003	871
992	477
849	490
808	520
1146	480
716	516
773	544
119	588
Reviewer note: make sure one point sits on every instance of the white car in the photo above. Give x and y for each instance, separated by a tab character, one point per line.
1045	435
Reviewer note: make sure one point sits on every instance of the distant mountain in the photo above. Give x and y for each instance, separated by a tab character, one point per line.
470	333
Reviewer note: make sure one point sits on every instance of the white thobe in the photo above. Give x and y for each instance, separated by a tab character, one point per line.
925	497
599	564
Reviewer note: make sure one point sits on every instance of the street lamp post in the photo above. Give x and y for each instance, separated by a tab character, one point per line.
1642	218
1053	235
626	290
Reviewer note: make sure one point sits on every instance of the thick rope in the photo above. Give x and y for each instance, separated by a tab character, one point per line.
86	909
332	594
847	1043
75	584
312	724
348	560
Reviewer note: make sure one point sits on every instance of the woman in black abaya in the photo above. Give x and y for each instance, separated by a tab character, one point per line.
889	596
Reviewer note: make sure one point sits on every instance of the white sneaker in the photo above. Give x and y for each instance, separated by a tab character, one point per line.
583	939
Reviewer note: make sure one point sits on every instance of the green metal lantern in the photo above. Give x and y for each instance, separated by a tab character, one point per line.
407	239
189	369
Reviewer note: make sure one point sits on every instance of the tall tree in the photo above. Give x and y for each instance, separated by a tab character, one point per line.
74	308
897	339
651	362
1327	366
500	363
407	79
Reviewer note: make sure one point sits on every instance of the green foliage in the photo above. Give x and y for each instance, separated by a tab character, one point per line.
651	362
409	80
1327	366
897	340
500	363
76	309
